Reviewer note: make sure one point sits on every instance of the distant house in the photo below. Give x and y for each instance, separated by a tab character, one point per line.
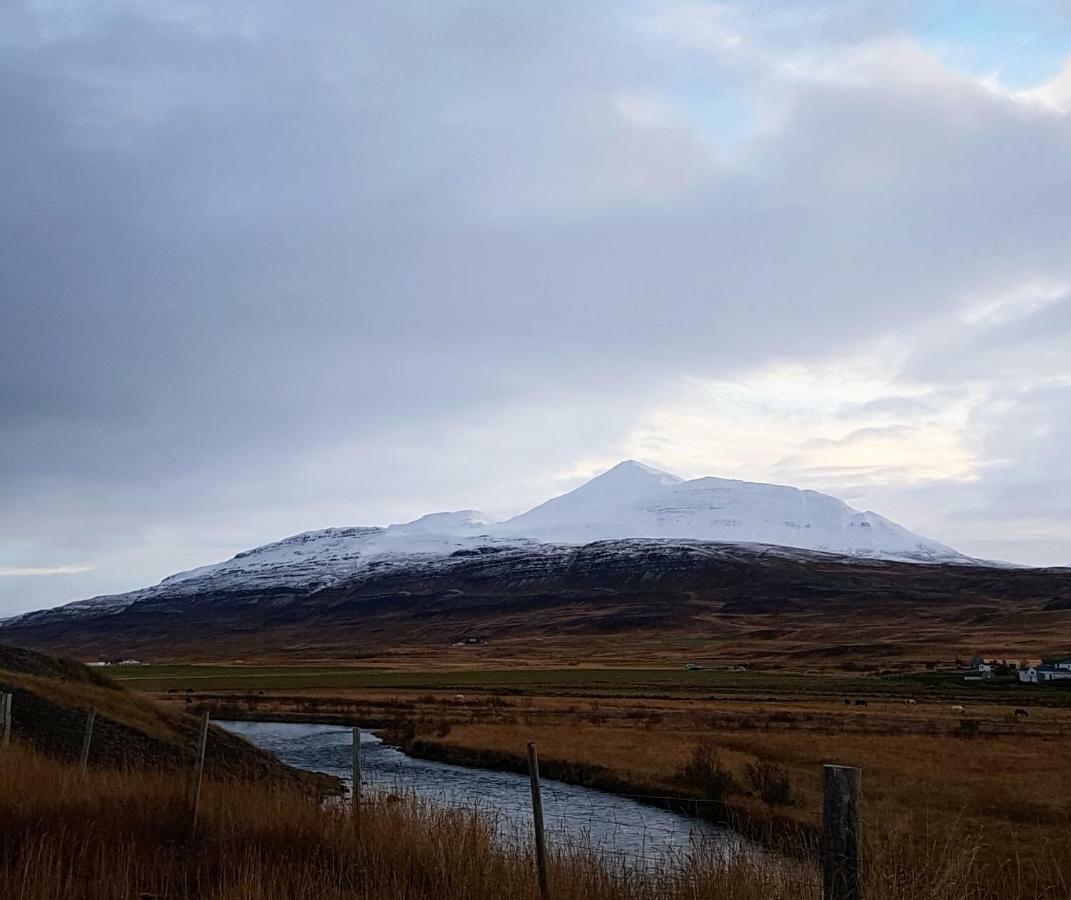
980	670
1062	663
1046	673
99	663
130	662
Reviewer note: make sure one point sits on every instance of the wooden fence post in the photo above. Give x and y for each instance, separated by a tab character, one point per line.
195	798
87	740
537	822
5	718
356	765
841	833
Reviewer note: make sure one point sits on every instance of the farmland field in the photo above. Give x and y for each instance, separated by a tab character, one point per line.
930	769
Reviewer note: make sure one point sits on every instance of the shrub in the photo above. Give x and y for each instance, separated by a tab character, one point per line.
772	783
704	771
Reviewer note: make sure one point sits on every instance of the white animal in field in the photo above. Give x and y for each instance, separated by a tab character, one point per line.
459	698
957	708
910	702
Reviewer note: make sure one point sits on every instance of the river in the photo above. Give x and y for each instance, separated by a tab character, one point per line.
621	830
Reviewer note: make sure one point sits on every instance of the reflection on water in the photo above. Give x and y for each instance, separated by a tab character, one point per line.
620	829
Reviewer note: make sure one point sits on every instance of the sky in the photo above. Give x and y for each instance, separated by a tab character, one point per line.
271	266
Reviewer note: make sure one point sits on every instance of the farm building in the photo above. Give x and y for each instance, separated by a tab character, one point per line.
1046	673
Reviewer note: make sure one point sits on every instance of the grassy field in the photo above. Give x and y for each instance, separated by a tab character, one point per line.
982	776
110	835
574	681
115	835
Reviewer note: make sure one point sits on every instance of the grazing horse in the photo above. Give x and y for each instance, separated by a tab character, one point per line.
1021	713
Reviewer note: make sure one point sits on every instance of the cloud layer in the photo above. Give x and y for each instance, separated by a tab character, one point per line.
265	271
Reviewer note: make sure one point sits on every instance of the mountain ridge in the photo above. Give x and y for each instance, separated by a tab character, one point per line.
629	502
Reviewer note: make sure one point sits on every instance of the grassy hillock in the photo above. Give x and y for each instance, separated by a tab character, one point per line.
52	698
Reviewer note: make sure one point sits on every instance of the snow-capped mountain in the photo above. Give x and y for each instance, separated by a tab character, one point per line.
632	500
629	502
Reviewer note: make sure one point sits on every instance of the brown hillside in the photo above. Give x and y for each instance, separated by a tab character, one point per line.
52	698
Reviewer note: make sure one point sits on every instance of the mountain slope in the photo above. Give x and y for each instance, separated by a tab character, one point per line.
631	501
647	601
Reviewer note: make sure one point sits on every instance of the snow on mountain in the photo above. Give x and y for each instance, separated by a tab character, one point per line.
635	501
630	500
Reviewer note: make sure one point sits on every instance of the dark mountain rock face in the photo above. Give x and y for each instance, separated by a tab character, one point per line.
647	588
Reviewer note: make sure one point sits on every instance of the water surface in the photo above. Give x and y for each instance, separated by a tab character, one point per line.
618	828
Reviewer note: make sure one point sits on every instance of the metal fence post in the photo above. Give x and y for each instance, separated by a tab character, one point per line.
87	740
537	822
841	833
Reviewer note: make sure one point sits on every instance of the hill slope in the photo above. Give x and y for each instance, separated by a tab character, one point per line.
53	696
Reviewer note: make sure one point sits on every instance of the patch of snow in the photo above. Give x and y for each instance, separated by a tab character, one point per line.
634	501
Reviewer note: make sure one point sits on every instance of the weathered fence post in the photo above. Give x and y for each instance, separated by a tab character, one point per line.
841	833
356	763
5	718
195	797
87	740
537	822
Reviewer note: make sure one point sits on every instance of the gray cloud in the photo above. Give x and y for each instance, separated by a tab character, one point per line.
265	271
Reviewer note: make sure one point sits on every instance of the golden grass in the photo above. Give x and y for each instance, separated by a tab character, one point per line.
110	836
125	835
134	710
997	803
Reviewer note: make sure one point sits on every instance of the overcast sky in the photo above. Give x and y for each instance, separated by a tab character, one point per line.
273	266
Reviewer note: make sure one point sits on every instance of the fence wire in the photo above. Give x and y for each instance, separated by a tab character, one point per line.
656	835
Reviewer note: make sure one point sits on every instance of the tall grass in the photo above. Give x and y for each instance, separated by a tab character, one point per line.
113	835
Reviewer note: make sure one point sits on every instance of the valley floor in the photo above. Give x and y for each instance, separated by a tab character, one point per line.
983	790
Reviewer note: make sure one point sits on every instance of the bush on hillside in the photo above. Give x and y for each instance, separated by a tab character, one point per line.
704	771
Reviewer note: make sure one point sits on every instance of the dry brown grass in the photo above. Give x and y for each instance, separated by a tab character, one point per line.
124	835
126	707
112	836
993	803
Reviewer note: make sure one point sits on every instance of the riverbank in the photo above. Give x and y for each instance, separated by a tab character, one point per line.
65	836
983	785
109	834
998	800
771	830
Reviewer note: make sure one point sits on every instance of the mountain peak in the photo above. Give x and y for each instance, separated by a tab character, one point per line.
632	467
630	473
633	500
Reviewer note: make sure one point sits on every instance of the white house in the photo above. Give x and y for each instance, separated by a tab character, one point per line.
1042	674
